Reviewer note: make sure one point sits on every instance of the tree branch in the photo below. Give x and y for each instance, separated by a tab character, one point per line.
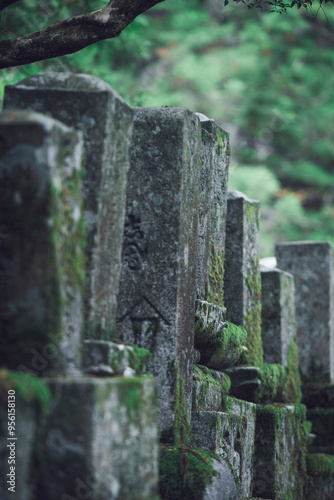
73	34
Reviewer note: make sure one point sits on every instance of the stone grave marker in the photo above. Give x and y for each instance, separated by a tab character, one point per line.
212	213
156	305
41	251
278	314
242	289
94	107
311	263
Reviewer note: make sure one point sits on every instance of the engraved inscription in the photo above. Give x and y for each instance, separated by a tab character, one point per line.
134	242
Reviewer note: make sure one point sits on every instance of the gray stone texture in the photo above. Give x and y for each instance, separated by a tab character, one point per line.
112	358
223	485
22	447
320	486
100	440
231	436
158	281
278	314
210	389
209	321
242	295
92	106
311	263
279	453
41	255
213	209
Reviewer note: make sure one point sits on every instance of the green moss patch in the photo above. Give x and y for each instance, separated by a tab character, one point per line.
28	388
210	380
272	379
224	350
292	386
215	286
184	472
182	425
140	358
320	464
254	354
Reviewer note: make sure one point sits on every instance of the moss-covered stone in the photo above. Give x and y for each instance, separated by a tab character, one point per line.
42	256
103	431
28	388
184	472
210	389
320	469
252	323
280	452
224	350
209	321
242	292
215	283
182	425
320	464
321	395
323	427
292	387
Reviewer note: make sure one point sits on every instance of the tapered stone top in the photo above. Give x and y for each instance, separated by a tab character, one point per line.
92	106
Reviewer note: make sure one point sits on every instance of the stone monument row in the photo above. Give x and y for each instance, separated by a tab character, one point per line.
145	352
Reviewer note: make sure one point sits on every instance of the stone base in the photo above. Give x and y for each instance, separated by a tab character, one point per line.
320	470
102	357
210	389
280	452
100	440
231	436
323	427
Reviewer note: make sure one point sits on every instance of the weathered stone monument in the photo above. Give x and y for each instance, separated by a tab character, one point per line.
212	212
90	429
311	263
41	252
242	294
158	279
90	105
278	315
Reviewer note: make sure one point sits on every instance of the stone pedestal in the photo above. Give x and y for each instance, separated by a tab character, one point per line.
100	440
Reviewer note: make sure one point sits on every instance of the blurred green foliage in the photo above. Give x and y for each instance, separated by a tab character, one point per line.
268	79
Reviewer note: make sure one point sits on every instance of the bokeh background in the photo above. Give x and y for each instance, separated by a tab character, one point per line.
267	78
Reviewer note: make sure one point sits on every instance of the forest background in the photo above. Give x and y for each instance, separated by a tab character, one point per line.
267	78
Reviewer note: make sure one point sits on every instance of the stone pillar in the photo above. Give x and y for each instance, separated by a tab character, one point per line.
242	291
42	239
212	214
278	315
92	106
158	280
312	266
